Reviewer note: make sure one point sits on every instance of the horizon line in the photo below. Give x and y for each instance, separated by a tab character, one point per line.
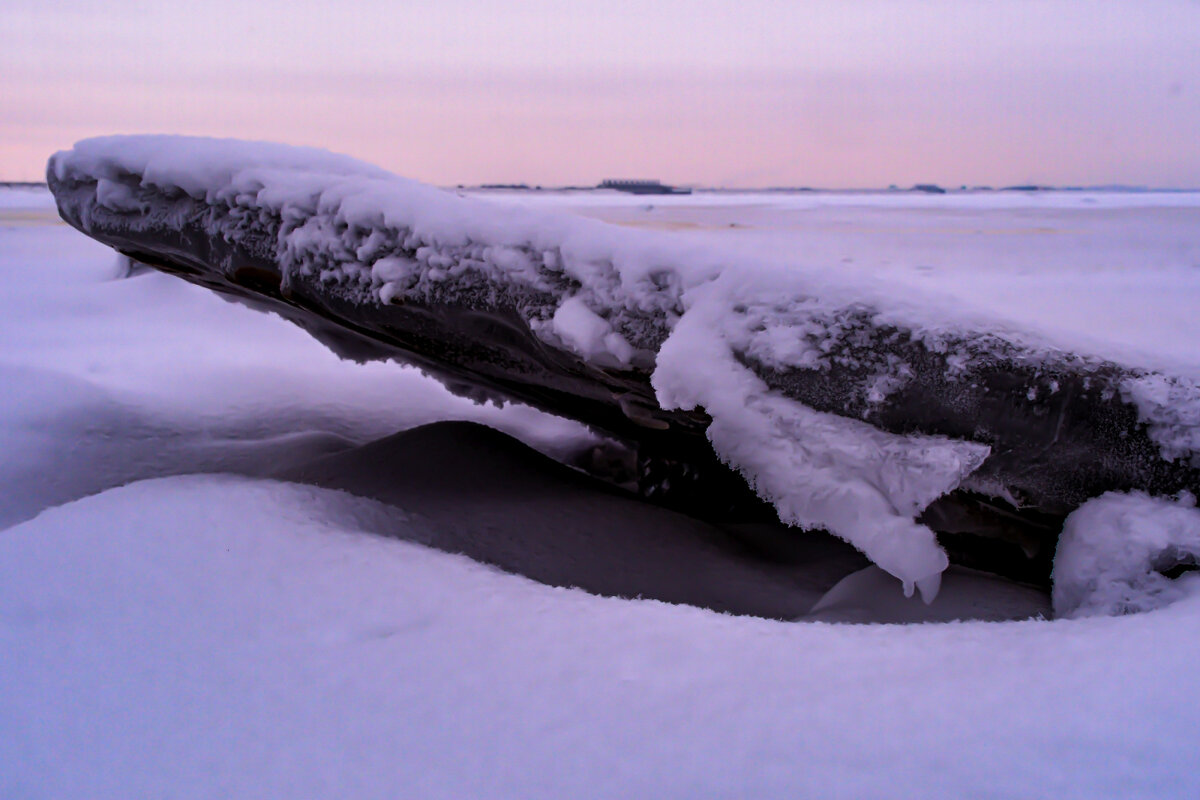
890	188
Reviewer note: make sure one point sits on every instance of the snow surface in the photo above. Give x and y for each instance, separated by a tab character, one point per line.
213	636
589	287
26	199
205	636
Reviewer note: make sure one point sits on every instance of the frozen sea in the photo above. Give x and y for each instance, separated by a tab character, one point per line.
174	624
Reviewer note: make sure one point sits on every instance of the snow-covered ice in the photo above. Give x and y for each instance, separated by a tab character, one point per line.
181	635
618	296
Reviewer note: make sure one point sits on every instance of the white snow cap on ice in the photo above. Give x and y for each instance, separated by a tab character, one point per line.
818	469
1114	549
587	279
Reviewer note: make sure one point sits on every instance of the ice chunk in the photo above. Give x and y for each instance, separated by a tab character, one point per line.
788	359
1115	548
589	334
818	469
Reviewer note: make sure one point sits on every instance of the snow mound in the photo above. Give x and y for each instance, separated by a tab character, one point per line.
1114	550
216	637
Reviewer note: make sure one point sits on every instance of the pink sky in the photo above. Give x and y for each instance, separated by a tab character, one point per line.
757	93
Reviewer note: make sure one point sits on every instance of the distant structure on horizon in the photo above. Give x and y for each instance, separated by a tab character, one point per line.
641	187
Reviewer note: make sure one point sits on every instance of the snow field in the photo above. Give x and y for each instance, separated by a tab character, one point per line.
200	636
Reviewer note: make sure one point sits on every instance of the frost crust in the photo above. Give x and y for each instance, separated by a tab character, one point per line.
1170	409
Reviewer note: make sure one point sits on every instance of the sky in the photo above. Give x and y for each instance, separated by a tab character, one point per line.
849	94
